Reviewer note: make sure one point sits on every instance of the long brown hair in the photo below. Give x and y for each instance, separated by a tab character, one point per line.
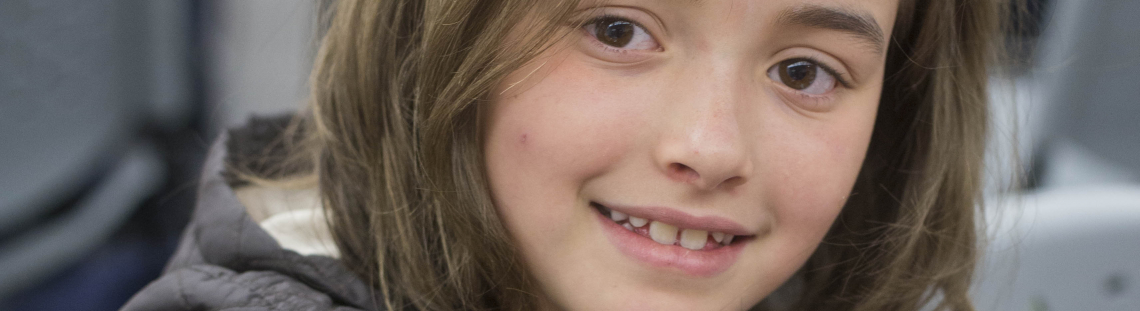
907	234
394	131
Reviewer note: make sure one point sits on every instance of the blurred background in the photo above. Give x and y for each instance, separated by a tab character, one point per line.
107	108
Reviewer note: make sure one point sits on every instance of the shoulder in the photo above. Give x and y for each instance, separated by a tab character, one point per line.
227	259
208	287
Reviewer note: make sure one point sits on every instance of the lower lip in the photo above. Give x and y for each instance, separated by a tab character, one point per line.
703	263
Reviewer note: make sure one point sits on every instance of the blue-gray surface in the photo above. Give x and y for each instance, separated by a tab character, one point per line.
80	81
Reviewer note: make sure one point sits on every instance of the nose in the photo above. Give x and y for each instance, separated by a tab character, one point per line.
702	143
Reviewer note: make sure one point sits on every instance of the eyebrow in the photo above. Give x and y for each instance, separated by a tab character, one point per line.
861	25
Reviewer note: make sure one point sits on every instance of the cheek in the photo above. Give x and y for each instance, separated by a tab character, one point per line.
813	165
549	134
565	120
556	129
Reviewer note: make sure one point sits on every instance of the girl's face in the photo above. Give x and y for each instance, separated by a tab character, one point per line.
685	155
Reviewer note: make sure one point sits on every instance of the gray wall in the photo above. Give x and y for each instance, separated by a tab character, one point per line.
259	53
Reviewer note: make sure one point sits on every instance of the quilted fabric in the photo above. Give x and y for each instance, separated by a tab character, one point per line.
227	262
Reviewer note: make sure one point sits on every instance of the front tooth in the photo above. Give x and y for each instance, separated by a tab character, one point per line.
663	233
727	239
638	222
618	216
693	239
718	236
627	226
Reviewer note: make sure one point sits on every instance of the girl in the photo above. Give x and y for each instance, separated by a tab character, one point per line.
619	155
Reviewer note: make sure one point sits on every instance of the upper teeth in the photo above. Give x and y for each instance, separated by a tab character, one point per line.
668	234
638	222
694	239
718	236
663	233
618	216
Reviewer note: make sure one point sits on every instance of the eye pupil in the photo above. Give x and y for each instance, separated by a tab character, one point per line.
797	74
615	33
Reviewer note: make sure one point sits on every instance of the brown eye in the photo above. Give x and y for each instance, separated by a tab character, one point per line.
614	32
803	75
797	74
618	39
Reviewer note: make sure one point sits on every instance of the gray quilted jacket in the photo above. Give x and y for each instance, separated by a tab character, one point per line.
226	261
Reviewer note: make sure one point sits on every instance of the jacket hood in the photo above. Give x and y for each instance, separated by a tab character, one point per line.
226	259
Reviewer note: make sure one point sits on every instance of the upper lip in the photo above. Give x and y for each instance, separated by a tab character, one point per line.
682	219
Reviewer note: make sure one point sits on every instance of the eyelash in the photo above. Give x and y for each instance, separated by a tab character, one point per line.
813	102
610	16
840	77
606	16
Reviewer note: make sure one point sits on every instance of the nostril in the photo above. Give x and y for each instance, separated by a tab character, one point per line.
686	174
731	182
683	172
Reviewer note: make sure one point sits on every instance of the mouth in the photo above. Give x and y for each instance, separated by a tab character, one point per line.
665	240
669	234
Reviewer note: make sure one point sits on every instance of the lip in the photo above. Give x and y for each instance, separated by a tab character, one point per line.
701	263
682	219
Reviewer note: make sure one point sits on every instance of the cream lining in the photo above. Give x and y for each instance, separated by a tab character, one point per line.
293	217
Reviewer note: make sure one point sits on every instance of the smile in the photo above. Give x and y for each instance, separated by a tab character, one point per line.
667	238
668	234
